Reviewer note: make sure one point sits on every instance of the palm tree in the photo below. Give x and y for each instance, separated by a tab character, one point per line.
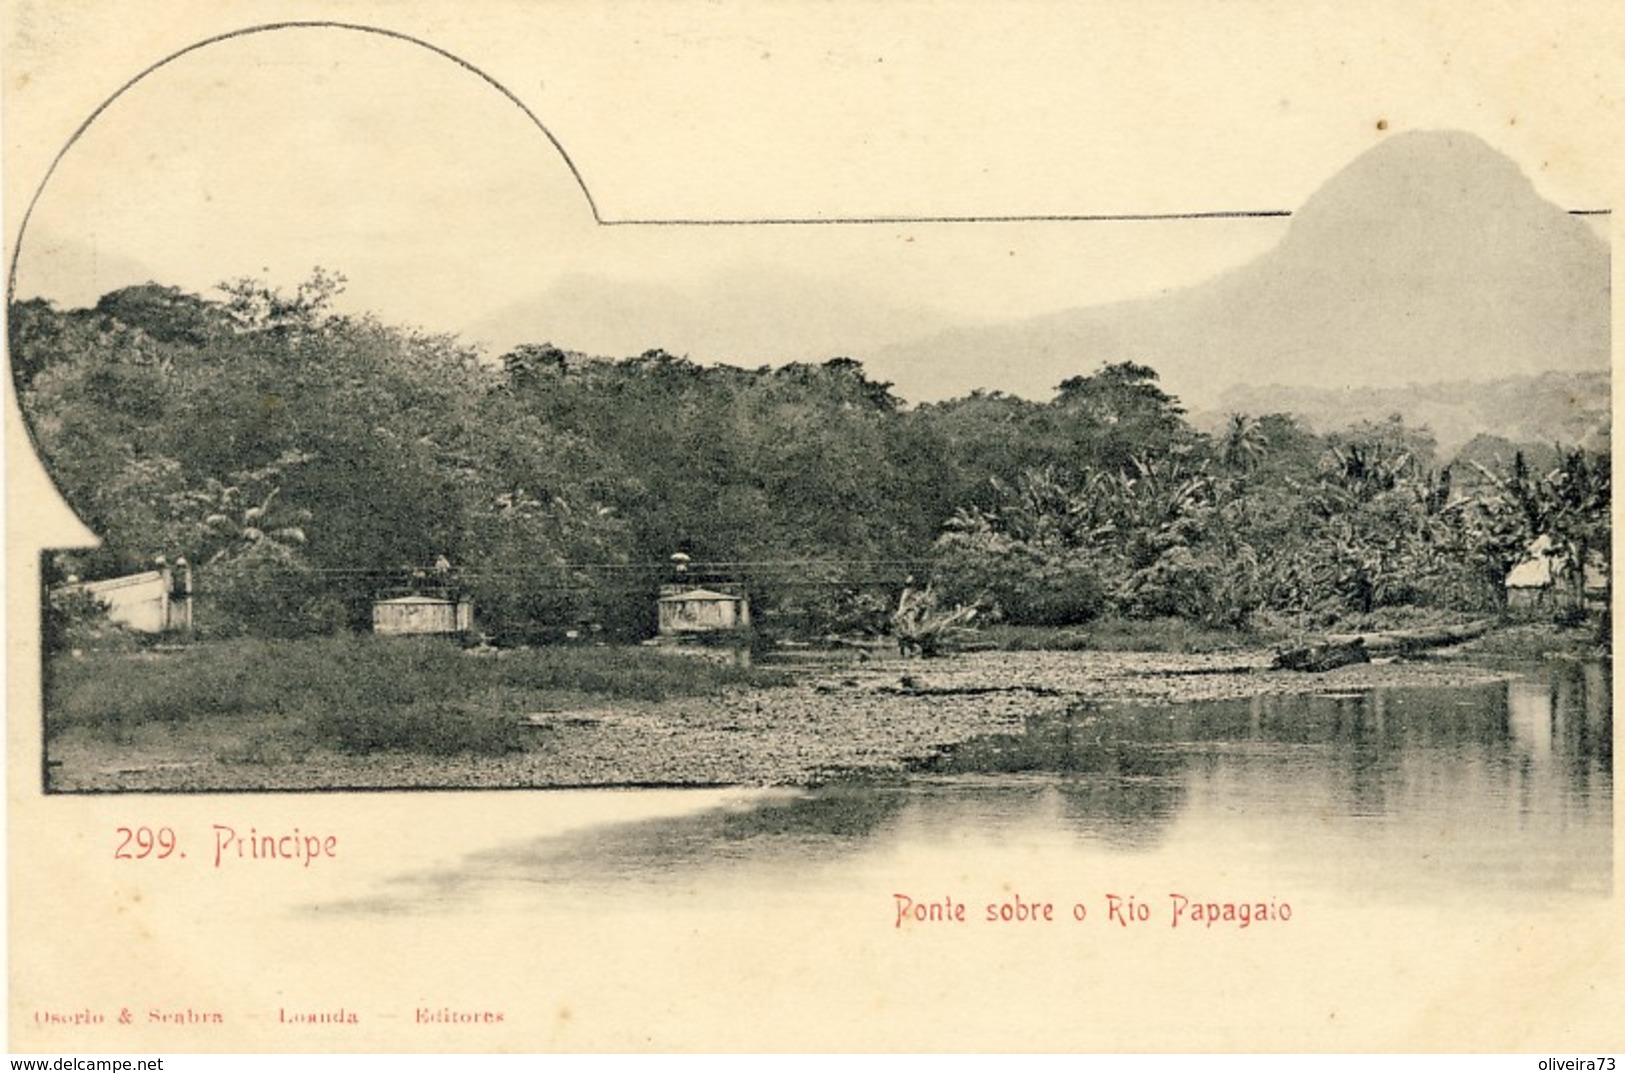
258	531
1579	497
1243	444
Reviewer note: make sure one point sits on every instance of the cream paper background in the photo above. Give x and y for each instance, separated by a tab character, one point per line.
960	126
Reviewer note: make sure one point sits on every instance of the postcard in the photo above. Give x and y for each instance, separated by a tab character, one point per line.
810	527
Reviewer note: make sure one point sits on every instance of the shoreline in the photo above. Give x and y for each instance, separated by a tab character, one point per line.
874	717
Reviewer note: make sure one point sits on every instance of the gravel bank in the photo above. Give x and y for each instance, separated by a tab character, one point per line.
874	716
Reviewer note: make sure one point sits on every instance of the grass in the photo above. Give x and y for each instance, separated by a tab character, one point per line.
363	693
1125	635
1175	635
1519	643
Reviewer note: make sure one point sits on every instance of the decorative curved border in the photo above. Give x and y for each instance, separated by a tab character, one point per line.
592	205
22	227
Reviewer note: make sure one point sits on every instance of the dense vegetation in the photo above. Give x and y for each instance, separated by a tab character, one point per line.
306	463
278	699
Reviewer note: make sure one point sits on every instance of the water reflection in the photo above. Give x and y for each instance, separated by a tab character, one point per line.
1408	794
768	839
1119	774
1546	740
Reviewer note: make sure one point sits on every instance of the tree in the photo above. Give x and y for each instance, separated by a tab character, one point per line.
1117	413
1579	498
1496	526
1243	444
259	430
254	306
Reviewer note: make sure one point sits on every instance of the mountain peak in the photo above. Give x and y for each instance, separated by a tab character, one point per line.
1430	257
1439	194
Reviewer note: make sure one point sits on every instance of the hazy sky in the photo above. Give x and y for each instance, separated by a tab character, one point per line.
269	154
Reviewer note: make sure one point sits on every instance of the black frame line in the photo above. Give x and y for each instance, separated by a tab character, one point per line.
575	172
592	205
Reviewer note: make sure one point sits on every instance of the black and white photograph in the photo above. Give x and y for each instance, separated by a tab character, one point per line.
738	527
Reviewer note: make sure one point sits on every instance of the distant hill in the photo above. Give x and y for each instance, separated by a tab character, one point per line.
1495	454
748	315
1430	258
1573	409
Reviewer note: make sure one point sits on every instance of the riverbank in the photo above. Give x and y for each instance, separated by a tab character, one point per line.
836	714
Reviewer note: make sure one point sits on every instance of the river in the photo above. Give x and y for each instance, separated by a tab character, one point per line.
1494	791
